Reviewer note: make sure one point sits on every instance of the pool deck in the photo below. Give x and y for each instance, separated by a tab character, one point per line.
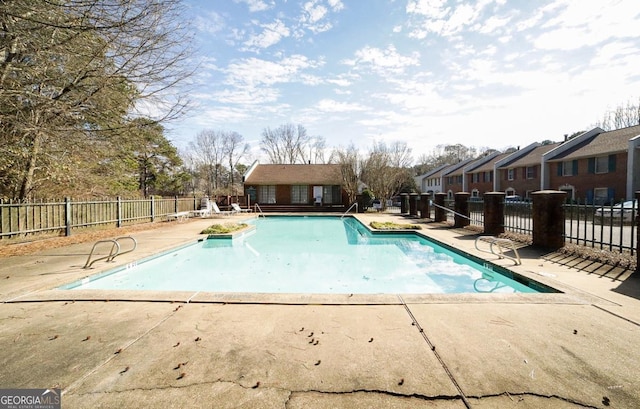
114	349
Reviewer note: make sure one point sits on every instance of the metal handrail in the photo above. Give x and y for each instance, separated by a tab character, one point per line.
115	248
257	206
350	207
496	241
119	253
451	211
113	253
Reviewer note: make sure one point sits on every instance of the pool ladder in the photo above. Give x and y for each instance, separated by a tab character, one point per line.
113	253
354	204
500	244
257	208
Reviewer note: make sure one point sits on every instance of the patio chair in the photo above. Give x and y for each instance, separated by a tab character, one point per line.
217	211
238	209
205	208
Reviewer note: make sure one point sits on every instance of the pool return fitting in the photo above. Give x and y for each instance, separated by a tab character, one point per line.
113	253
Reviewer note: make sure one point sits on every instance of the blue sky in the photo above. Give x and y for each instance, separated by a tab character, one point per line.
488	73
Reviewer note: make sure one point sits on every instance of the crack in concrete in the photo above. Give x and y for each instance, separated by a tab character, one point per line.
534	394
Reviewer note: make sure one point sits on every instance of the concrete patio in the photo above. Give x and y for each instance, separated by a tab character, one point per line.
115	349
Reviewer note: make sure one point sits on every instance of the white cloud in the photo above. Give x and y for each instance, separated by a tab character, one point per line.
583	24
256	5
336	5
315	15
272	34
211	22
383	61
330	105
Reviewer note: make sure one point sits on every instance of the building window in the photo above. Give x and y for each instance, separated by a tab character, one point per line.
510	174
531	172
567	168
600	195
602	164
299	194
267	194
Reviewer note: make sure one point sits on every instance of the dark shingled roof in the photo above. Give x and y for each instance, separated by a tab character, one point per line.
532	158
488	166
295	175
602	144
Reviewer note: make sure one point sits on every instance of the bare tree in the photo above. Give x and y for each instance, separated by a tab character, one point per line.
620	117
317	149
386	169
350	162
72	74
286	144
208	152
234	150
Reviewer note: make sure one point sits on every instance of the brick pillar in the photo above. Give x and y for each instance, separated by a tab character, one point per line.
441	214
404	203
413	204
494	213
424	205
360	200
638	231
548	219
461	207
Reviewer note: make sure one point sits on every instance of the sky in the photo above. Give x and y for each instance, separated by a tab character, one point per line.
485	74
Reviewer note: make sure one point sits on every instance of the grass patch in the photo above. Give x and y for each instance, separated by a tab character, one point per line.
394	226
224	228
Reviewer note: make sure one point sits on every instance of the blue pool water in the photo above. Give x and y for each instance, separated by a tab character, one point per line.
310	255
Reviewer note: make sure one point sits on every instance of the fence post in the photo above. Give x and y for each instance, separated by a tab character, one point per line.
175	204
424	205
494	213
441	215
67	216
548	219
413	204
153	209
638	231
119	211
461	207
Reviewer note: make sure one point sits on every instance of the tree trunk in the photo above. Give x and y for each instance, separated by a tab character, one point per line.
27	180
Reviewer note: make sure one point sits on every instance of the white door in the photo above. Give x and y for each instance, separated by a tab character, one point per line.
317	195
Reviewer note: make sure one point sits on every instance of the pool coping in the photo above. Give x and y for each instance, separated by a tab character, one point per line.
564	295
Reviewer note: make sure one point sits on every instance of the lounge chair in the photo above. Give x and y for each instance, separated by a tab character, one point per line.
238	209
217	211
205	208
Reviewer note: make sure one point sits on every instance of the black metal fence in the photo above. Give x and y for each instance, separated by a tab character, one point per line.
19	218
602	227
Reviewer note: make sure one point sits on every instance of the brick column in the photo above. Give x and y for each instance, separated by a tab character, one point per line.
548	219
404	203
425	210
494	213
461	207
413	204
441	214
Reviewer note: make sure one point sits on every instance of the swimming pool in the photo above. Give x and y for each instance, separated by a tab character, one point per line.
310	255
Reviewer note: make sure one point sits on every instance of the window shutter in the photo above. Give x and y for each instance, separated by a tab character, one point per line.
592	165
612	163
559	168
535	172
590	196
575	167
611	195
